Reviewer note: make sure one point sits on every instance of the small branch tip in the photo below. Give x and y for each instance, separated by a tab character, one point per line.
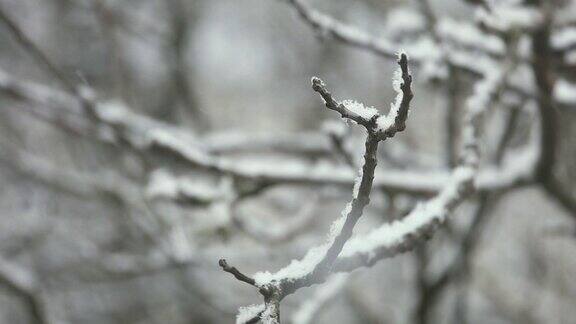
403	62
317	83
236	273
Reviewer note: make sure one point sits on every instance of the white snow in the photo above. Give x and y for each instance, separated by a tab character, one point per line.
144	132
359	109
402	21
518	165
385	236
248	312
425	50
507	17
268	316
387	121
358	179
163	184
300	268
563	38
422	49
436	209
424	214
565	92
468	35
485	89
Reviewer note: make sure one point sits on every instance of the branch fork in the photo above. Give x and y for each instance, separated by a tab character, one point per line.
379	127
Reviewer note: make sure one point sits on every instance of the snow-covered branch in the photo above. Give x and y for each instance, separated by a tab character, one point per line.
121	127
172	196
402	235
319	261
424	52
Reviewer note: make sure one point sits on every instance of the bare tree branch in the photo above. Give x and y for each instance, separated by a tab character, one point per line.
120	126
318	263
236	273
326	25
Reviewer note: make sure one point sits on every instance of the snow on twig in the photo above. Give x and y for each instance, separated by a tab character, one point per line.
318	262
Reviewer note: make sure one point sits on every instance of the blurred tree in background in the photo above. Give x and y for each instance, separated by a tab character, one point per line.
143	141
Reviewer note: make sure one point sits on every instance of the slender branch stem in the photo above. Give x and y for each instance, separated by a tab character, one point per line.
236	273
36	53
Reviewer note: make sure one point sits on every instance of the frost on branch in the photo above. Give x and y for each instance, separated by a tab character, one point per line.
383	125
506	17
400	236
341	253
318	262
395	119
175	167
565	92
358	108
248	313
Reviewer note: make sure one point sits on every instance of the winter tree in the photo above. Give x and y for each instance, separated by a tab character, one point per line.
294	161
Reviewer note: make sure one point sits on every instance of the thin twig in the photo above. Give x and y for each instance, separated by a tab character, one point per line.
349	35
36	53
236	273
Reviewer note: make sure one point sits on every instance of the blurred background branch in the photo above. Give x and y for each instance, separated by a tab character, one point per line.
143	141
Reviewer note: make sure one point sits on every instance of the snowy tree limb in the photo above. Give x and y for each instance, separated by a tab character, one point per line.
429	290
400	236
318	262
119	126
350	35
107	185
310	143
458	270
404	235
116	124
